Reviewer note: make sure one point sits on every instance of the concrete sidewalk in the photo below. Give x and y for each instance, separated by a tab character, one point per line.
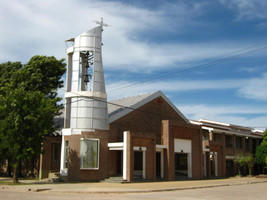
102	187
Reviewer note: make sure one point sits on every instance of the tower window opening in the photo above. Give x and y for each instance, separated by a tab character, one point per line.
86	72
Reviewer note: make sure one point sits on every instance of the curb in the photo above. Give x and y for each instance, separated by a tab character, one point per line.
50	190
155	190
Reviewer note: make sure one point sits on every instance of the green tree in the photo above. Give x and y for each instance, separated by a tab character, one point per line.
249	160
28	105
261	152
240	162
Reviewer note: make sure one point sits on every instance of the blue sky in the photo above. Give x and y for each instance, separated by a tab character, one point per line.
208	57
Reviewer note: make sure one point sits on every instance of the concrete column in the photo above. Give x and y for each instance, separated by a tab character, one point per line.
144	164
216	163
125	167
69	72
127	157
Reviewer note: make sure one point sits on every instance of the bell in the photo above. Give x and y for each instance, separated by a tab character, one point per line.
86	65
86	78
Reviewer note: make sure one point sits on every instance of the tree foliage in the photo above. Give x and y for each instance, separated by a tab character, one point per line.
261	151
240	162
249	160
28	105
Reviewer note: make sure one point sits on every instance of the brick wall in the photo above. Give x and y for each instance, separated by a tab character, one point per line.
46	157
147	119
176	129
74	171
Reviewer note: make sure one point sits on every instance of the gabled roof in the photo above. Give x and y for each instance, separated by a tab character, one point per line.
116	109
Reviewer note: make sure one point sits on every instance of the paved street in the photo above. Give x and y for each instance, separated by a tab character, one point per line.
238	192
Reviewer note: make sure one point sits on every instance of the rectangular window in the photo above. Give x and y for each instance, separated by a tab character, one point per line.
89	153
247	144
238	142
228	140
217	137
55	152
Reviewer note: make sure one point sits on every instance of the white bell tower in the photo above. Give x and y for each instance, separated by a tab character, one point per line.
86	98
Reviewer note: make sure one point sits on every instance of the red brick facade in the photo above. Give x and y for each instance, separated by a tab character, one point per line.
153	127
155	123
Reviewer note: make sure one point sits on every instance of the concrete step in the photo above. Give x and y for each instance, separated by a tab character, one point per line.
54	177
114	179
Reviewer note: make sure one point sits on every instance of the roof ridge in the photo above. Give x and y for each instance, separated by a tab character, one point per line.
139	95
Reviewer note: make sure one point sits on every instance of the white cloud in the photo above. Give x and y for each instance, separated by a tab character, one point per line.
234	114
127	88
250	88
255	88
248	69
134	55
247	9
33	27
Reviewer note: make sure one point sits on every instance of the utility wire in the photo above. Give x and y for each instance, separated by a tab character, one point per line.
194	68
197	67
87	98
127	107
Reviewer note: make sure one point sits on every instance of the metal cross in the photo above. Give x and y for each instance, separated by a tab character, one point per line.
101	22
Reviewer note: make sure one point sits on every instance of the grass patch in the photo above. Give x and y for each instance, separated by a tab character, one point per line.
11	183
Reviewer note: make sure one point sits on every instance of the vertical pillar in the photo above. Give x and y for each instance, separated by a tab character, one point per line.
127	157
244	153
223	156
201	172
211	136
244	145
144	164
234	146
216	163
169	142
204	164
189	165
69	72
162	164
68	89
125	167
153	152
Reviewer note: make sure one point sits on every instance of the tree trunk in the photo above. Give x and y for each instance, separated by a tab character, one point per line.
15	174
20	169
9	169
32	167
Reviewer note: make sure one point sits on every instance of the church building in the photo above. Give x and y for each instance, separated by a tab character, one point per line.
141	137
